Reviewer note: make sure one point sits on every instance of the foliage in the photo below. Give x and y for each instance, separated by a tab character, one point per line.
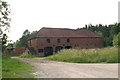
115	29
107	31
4	22
12	68
108	55
26	56
17	44
116	40
4	41
9	46
23	40
4	16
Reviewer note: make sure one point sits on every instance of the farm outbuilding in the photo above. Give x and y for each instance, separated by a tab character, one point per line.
48	41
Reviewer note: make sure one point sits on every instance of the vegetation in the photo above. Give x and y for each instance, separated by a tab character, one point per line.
0	66
107	31
4	22
23	40
116	40
12	68
4	41
107	55
4	18
26	56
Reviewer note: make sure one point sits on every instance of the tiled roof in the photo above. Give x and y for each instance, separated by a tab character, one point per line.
64	32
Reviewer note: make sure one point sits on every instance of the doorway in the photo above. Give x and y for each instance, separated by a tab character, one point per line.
48	51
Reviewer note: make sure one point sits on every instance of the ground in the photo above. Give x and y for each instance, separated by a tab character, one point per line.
54	69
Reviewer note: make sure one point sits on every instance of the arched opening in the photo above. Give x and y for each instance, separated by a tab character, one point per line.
58	48
48	51
68	47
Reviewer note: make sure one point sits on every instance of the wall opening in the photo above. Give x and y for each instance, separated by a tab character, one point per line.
58	48
68	47
48	51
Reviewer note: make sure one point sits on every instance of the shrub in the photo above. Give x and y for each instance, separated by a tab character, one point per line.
26	56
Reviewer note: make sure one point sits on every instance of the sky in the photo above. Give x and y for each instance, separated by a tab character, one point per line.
35	14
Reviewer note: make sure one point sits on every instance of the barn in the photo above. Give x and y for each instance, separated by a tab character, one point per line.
48	41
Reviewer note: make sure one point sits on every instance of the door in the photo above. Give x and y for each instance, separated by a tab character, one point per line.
48	51
58	48
68	47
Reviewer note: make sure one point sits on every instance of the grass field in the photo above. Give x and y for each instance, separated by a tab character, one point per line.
0	66
12	68
107	55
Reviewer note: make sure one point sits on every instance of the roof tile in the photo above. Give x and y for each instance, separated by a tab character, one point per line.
64	32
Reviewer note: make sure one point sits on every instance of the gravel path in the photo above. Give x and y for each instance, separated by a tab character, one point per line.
53	69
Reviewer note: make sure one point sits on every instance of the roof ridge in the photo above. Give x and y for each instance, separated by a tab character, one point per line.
56	28
65	32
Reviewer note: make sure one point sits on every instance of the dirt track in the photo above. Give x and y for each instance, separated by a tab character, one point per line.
53	69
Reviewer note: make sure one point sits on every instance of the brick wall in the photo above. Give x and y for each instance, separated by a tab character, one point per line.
79	43
18	50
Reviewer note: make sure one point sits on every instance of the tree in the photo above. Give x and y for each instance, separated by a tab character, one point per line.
23	40
17	44
4	22
4	41
9	47
115	29
26	32
107	31
116	40
4	17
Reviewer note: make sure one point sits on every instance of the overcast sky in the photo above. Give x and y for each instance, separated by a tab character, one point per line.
35	14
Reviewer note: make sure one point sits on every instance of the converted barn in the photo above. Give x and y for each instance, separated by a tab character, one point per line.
48	41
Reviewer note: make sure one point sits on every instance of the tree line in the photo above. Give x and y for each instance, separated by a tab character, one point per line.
110	33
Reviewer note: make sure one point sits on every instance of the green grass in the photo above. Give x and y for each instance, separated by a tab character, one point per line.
0	66
13	68
26	56
107	55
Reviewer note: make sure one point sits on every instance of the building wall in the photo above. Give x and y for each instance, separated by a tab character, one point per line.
18	50
33	43
77	43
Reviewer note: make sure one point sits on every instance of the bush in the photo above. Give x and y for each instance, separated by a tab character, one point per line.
26	56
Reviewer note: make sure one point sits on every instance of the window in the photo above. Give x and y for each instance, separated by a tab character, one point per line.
40	50
68	40
48	40
58	40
